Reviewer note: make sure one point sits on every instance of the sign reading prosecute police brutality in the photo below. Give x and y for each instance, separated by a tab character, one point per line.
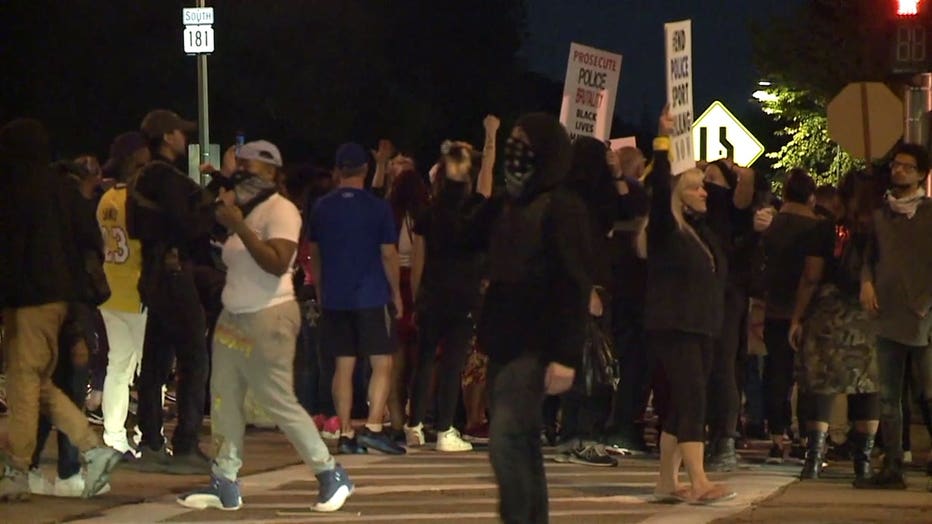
589	91
198	30
678	36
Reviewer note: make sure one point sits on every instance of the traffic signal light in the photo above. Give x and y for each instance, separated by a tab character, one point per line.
907	7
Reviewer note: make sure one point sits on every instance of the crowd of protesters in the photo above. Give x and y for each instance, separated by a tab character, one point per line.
564	308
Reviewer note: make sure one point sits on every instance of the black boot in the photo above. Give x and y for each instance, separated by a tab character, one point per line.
815	455
861	446
723	458
890	477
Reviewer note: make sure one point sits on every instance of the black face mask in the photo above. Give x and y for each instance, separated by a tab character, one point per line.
719	196
520	165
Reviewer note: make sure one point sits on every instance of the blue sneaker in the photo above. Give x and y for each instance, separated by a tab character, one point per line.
379	441
335	488
350	446
221	494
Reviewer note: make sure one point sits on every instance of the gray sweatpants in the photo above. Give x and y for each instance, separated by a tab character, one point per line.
255	351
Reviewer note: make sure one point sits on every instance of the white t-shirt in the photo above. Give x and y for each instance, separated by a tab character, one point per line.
249	288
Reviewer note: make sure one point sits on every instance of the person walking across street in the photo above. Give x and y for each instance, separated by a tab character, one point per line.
255	338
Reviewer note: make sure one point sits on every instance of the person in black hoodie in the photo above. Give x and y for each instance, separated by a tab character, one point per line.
686	273
584	415
77	340
535	308
40	272
172	217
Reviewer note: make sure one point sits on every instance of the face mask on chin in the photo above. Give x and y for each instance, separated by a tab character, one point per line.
250	187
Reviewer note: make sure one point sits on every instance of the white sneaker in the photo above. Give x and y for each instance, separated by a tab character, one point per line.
73	487
414	437
450	441
38	484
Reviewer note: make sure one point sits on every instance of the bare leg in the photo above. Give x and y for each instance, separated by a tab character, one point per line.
379	386
670	461
474	400
343	392
397	396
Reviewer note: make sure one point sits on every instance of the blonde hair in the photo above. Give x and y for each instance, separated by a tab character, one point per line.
689	179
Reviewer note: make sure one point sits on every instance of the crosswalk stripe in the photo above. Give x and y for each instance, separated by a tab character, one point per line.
434	488
447	517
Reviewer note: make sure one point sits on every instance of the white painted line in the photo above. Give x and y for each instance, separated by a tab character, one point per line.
452	501
750	488
589	473
446	517
434	488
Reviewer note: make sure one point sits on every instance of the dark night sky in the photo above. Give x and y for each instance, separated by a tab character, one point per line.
38	86
634	28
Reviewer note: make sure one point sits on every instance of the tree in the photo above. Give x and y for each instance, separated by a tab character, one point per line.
805	127
810	55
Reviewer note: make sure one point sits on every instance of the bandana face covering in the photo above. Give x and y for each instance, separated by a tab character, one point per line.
250	188
905	206
520	164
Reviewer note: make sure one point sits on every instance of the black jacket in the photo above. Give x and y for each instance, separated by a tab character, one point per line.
538	260
39	260
685	291
169	212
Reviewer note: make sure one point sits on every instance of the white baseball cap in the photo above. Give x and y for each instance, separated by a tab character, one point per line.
261	150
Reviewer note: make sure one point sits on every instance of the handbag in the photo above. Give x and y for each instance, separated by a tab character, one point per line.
600	369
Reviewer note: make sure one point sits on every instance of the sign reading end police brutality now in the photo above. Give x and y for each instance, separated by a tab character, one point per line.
589	91
678	36
198	30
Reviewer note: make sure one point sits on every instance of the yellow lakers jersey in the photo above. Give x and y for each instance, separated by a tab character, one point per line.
123	263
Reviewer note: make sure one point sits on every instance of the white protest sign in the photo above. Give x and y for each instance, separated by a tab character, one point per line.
589	91
678	36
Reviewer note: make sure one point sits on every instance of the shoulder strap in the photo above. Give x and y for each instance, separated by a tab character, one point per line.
258	199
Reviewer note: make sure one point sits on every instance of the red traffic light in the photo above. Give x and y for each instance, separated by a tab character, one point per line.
907	7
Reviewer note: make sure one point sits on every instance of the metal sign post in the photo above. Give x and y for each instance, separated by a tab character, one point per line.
199	40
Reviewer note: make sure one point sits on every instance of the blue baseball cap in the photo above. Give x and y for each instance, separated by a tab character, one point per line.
351	156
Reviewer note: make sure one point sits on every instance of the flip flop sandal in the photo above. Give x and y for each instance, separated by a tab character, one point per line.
677	497
707	500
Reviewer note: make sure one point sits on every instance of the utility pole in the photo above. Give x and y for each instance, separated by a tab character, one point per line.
203	114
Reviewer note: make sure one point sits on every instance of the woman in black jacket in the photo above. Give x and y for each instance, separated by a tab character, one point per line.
686	273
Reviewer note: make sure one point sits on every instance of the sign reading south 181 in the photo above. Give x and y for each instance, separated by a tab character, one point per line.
198	30
718	134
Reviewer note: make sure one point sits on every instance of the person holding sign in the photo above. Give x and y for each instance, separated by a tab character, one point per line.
686	274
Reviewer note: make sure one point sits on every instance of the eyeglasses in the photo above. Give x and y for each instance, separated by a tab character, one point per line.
909	168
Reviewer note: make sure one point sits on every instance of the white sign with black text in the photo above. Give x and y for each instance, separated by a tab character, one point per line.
198	30
679	73
589	91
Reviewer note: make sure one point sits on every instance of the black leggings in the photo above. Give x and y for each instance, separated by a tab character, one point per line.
454	329
861	406
724	402
686	359
778	375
